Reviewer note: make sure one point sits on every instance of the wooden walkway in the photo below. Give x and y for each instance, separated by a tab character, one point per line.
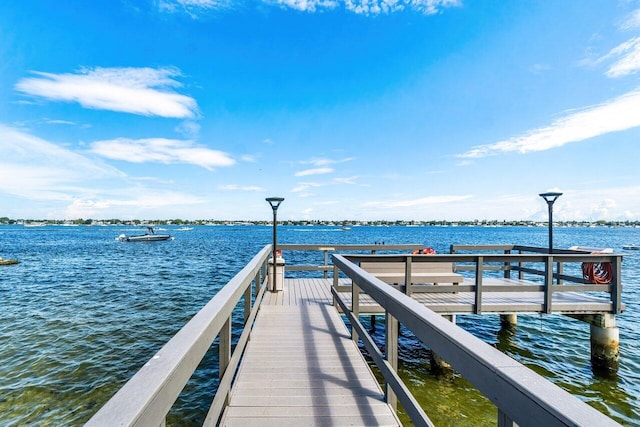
301	367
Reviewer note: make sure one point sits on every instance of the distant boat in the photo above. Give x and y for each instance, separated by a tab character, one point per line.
345	228
8	261
35	224
631	247
185	228
149	236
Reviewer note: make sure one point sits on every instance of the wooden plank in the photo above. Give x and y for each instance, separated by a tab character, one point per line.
301	368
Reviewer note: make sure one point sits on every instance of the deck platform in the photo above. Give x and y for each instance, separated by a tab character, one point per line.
301	367
497	302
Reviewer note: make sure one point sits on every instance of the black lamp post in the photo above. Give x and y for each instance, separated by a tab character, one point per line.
550	198
274	202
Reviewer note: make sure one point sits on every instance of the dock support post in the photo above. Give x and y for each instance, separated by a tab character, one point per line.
605	341
508	321
438	364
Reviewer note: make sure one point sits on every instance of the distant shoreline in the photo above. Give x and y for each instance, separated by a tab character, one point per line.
307	223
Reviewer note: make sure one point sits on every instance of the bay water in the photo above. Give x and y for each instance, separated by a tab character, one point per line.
82	312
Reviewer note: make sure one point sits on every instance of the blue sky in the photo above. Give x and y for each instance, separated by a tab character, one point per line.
423	109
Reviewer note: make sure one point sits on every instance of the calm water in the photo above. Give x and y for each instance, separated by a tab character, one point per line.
82	313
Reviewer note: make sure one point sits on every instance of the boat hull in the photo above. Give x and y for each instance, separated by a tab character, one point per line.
147	238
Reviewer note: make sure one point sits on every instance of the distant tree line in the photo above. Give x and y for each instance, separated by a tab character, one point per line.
413	223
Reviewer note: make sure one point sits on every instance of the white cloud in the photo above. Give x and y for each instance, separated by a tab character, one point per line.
615	115
324	162
41	170
375	7
194	8
304	186
632	21
234	187
188	129
307	5
628	58
351	180
316	171
161	150
416	202
144	91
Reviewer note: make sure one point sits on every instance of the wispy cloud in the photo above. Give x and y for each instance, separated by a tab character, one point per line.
249	158
325	162
161	150
234	187
376	7
632	21
627	58
144	91
431	200
351	180
315	171
306	5
194	8
615	115
189	129
41	170
72	185
305	186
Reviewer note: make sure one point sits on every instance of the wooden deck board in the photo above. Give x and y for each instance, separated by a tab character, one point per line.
301	367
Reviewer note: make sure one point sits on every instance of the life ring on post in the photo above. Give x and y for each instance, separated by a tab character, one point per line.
600	273
424	251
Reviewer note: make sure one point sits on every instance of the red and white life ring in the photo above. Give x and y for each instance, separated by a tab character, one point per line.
424	251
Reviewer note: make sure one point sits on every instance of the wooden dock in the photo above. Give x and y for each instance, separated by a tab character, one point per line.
294	363
302	368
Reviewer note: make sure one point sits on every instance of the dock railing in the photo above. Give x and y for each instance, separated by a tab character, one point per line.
146	399
522	397
327	249
545	272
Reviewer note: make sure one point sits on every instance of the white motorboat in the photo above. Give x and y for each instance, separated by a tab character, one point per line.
149	236
631	247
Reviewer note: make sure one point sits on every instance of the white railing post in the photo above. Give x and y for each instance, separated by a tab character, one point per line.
391	355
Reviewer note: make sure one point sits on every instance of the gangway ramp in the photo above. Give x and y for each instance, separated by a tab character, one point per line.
302	368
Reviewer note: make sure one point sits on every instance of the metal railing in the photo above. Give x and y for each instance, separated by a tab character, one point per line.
325	268
521	395
546	279
148	396
146	399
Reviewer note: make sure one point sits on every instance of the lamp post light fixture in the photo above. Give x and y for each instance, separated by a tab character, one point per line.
274	202
550	198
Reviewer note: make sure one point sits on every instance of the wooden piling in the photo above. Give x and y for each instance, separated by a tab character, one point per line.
605	355
508	320
438	364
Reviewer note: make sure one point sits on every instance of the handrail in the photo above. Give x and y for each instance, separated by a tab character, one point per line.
327	248
484	262
148	396
521	395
